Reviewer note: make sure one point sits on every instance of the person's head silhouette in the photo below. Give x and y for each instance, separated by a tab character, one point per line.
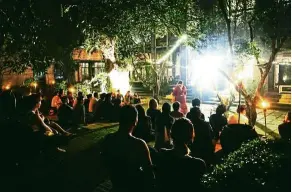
182	131
153	104
166	108
65	100
141	111
176	106
196	102
128	118
33	102
220	109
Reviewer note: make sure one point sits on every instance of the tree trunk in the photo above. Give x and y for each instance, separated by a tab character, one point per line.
223	9
251	112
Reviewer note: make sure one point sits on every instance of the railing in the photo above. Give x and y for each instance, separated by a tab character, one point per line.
285	89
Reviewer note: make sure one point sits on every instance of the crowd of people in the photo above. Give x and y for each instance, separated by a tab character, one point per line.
83	110
184	141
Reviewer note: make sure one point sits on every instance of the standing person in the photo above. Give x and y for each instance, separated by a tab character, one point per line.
195	104
176	113
153	112
285	127
92	102
180	95
163	125
218	120
127	158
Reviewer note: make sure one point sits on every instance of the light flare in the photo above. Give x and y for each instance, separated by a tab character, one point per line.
120	80
181	40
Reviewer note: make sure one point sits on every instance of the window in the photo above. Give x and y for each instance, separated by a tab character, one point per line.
284	74
84	70
59	74
97	68
39	75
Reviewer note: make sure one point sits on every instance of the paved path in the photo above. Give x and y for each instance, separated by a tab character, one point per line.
273	118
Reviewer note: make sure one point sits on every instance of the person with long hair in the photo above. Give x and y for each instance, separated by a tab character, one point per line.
180	95
153	112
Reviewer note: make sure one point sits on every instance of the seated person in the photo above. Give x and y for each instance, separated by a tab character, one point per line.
143	128
38	123
196	104
127	158
7	105
176	113
70	98
106	108
233	119
79	94
153	112
56	100
79	115
65	113
116	110
233	135
163	125
202	147
176	169
218	121
285	127
98	107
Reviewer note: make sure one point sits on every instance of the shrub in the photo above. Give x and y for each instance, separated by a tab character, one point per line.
256	166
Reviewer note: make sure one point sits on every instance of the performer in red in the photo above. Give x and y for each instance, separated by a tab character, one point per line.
180	95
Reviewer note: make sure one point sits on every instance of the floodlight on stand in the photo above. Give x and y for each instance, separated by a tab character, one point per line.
265	105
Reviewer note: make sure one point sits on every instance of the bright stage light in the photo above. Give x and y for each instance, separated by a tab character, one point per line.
175	46
120	80
205	72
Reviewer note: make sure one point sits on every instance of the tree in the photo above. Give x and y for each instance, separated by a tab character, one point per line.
268	26
37	34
